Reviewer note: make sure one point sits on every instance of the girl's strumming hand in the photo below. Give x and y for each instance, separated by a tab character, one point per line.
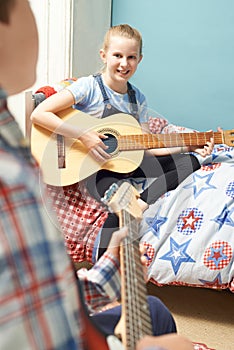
97	149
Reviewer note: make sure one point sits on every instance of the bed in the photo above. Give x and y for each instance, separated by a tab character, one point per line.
188	232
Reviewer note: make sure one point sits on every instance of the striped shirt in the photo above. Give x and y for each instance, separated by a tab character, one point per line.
39	300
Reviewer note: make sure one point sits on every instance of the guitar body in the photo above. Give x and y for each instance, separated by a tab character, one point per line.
65	161
79	164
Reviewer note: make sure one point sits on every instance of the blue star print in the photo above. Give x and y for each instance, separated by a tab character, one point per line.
217	281
221	152
139	184
224	217
177	254
230	189
155	223
217	255
202	185
229	220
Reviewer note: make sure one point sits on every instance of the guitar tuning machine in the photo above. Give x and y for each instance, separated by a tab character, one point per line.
109	193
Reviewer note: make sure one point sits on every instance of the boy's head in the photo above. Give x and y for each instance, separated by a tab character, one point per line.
18	46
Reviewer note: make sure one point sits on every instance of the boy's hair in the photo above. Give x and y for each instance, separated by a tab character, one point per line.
5	10
123	30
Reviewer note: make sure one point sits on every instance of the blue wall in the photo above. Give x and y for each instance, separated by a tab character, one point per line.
187	72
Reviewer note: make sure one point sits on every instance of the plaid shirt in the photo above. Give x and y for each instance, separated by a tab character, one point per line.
39	298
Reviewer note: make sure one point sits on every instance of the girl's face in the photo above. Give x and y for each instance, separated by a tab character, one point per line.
18	49
121	59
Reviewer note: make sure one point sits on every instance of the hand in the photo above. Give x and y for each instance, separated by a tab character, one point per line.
143	251
115	242
206	150
168	342
93	141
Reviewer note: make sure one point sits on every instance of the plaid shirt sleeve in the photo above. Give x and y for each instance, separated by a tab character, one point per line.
40	306
101	283
39	301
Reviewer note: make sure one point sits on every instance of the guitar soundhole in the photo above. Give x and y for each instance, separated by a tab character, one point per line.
112	143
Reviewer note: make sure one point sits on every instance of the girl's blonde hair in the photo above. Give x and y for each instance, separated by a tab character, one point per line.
123	30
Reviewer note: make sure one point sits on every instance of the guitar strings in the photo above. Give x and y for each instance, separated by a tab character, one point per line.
146	141
139	322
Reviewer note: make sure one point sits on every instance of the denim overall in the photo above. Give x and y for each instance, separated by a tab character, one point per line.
108	108
168	171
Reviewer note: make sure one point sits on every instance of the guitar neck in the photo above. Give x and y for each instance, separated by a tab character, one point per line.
134	292
150	141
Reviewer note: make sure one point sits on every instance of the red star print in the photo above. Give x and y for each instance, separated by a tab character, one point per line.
189	220
216	255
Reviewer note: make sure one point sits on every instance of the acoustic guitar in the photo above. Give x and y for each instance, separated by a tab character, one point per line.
135	321
65	161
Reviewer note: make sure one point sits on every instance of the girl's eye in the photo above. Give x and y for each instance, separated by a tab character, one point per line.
132	57
117	55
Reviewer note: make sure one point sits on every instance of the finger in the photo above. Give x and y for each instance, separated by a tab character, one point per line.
102	136
103	153
142	248
97	156
144	260
117	237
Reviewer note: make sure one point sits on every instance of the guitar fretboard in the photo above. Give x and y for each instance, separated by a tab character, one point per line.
138	320
149	141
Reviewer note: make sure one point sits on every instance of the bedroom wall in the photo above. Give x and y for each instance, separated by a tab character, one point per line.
187	72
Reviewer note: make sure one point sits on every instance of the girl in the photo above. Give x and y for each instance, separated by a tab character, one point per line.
108	93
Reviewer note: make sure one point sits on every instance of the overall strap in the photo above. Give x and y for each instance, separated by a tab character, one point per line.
103	91
131	95
132	100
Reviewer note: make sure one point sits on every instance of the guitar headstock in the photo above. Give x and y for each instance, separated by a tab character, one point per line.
228	137
123	197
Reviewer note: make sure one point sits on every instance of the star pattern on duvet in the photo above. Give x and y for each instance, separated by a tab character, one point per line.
230	189
189	221
200	184
155	223
225	217
139	184
217	255
177	254
216	282
221	151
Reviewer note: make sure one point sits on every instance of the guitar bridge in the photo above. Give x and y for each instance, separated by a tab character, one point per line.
61	152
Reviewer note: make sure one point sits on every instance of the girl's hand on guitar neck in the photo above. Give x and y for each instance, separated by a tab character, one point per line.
207	149
204	151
